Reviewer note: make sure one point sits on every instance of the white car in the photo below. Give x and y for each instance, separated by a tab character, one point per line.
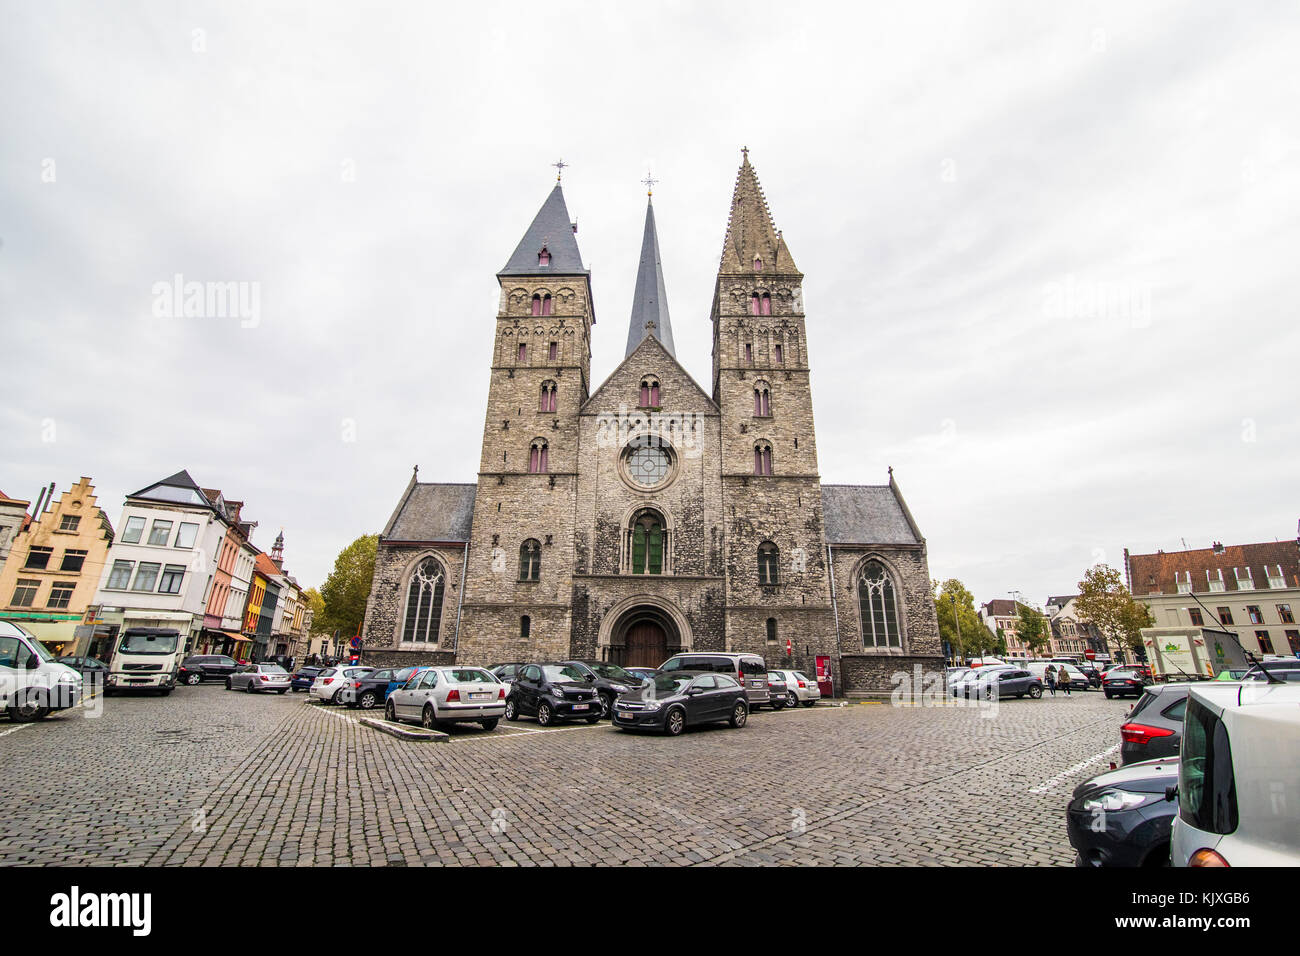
1239	776
1078	679
32	683
799	688
444	695
333	685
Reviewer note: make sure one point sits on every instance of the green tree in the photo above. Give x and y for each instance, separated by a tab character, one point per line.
1105	602
959	622
317	605
345	591
1032	627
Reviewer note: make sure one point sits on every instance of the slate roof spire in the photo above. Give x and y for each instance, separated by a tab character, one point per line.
554	232
650	299
751	234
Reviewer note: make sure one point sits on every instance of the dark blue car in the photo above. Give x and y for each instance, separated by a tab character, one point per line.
1124	817
303	678
371	690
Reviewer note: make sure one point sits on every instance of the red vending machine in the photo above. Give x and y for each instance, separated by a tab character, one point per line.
825	682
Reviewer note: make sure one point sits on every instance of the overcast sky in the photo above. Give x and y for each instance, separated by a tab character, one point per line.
1050	251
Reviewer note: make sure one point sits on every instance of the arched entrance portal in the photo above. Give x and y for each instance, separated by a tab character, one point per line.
644	636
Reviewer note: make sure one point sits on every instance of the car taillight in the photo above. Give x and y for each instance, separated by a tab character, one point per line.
356	684
802	684
329	680
453	694
263	677
740	676
1142	734
502	695
1206	857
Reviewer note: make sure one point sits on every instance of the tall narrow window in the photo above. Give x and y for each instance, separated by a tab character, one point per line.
648	542
758	264
762	401
525	626
780	354
767	304
548	403
424	603
554	353
537	457
762	459
546	304
649	392
523	353
878	608
544	257
753	304
771	630
530	560
749	354
537	305
769	562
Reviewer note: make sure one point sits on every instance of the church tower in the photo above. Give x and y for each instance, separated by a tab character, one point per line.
518	584
777	582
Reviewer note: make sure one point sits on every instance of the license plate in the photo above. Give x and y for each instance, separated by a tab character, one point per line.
581	706
479	696
624	715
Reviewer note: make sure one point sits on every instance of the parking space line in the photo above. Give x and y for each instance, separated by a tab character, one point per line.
14	730
1056	781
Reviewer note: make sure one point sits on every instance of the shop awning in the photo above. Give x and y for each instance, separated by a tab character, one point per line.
52	632
237	638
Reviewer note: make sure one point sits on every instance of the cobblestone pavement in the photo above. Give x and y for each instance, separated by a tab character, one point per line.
207	777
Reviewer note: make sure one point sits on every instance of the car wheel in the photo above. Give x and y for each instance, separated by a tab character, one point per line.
489	724
512	709
282	690
1108	694
338	698
367	700
606	705
792	699
390	713
545	714
739	714
193	679
164	692
428	719
594	718
229	685
810	703
778	704
675	722
31	708
1035	692
249	687
1019	696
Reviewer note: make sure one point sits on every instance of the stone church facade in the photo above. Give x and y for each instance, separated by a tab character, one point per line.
651	515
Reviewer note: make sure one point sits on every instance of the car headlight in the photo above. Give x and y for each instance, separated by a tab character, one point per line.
652	705
1115	800
618	688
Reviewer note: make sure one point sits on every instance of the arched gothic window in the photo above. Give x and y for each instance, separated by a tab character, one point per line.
548	403
530	560
763	458
537	304
546	304
647	543
878	607
649	392
766	305
424	603
762	400
754	304
537	457
769	563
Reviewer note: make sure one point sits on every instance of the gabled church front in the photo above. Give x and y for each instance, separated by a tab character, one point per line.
652	515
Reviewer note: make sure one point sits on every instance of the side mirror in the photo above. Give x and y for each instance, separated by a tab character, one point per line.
1171	793
694	691
33	662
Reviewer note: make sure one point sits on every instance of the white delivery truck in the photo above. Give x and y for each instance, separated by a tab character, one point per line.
145	658
1191	653
32	682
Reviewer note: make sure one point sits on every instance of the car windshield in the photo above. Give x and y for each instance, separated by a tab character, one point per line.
667	685
136	643
273	669
563	672
356	671
327	672
612	672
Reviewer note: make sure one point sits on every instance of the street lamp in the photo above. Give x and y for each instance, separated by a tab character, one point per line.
957	621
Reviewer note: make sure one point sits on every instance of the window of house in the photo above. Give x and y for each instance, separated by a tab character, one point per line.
186	534
771	630
423	615
25	592
160	532
69	523
754	304
758	264
1195	614
546	304
763	459
537	457
61	594
1215	583
1293	638
749	354
73	559
1265	644
134	528
544	257
762	401
537	304
120	576
172	576
1252	611
1284	614
553	354
38	558
780	354
648	543
526	628
1225	615
877	607
649	392
146	576
548	403
530	560
769	561
765	305
523	353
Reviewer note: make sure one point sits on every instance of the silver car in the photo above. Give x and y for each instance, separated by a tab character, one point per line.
259	677
445	695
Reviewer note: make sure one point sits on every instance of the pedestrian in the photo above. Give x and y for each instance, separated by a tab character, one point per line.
1063	678
1050	676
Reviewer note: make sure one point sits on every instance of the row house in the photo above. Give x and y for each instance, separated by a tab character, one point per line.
1071	637
1251	590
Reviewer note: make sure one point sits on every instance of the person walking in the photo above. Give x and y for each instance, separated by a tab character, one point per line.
1063	678
1049	676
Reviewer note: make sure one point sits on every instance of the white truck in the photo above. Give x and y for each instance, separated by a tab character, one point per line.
1191	653
145	658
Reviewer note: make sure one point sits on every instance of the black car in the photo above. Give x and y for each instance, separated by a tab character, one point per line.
506	673
88	666
1123	817
1124	682
611	681
200	667
678	699
1155	726
552	691
371	690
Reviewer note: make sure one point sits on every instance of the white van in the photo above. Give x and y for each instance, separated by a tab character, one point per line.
1239	776
32	682
146	658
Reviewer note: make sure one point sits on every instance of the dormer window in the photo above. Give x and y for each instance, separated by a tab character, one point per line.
544	257
758	264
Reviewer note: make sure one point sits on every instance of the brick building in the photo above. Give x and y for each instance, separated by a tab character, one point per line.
651	514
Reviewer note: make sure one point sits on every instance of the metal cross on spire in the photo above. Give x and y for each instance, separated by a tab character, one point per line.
649	183
559	169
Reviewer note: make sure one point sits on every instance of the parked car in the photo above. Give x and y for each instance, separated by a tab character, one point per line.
1155	725
957	685
678	699
1283	670
799	689
32	682
442	695
645	673
1091	672
954	674
610	680
1124	682
87	667
201	667
259	677
506	673
371	690
303	678
750	670
1123	817
777	688
333	685
1238	776
552	691
999	683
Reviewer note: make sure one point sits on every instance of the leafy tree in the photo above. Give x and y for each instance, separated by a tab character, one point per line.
347	588
1105	602
959	622
1032	627
317	604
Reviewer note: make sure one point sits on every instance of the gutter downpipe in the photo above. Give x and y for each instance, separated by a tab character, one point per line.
460	599
830	564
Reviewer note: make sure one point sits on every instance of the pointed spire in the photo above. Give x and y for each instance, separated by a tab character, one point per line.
751	235
650	300
551	232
